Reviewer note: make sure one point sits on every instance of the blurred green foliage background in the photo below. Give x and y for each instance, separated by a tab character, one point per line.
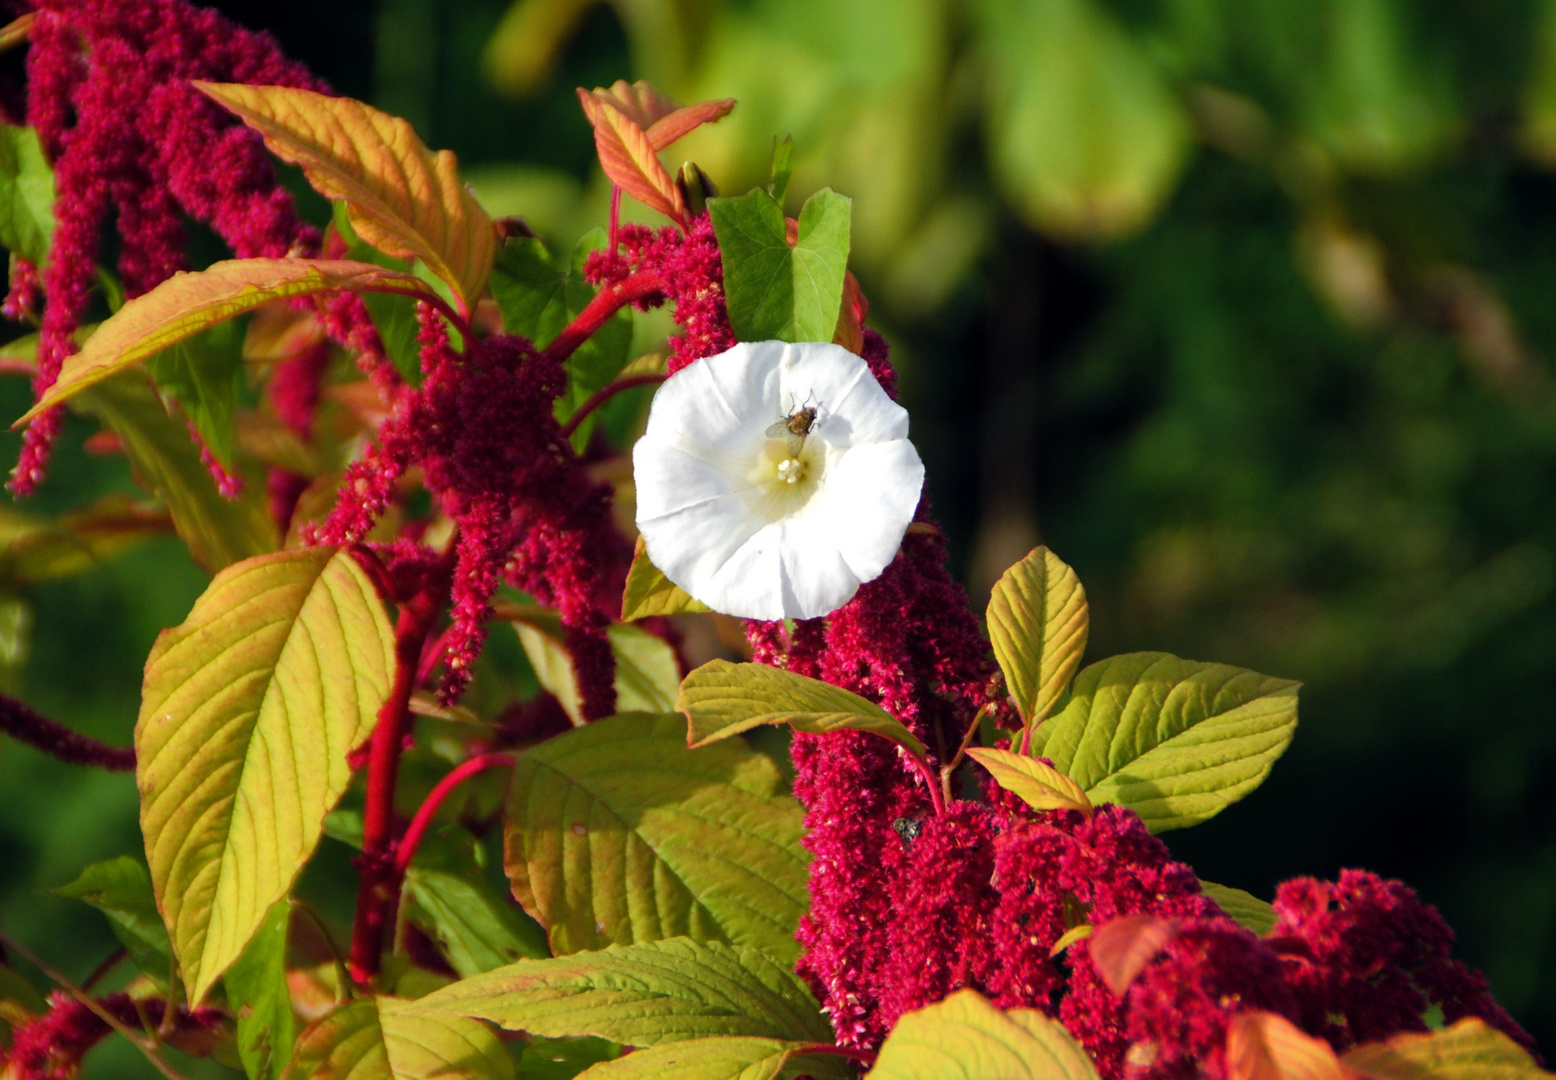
1245	307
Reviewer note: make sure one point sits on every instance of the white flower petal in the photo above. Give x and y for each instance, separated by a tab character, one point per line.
868	499
851	407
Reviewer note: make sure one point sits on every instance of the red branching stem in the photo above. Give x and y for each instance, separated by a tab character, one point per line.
931	781
377	890
615	237
604	394
406	849
24	724
607	302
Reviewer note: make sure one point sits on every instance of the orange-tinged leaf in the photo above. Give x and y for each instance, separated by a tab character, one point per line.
1122	947
402	198
850	317
682	122
1039	785
660	118
187	303
628	158
1263	1046
1469	1050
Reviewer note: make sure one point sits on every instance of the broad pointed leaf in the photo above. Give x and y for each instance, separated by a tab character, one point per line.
1040	786
26	194
1254	914
1263	1046
1123	946
649	592
259	999
187	303
403	199
477	927
1177	741
721	699
248	712
774	289
641	995
121	889
1038	622
628	157
660	118
379	1038
618	834
966	1038
166	463
1469	1050
725	1058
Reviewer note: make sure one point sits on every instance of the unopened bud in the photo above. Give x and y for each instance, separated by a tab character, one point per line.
696	187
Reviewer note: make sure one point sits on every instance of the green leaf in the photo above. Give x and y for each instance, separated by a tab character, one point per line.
647	673
1176	741
248	712
1040	786
1469	1050
617	834
260	1002
782	169
35	549
721	699
393	315
1038	622
121	889
642	995
188	303
726	1058
478	929
537	299
649	592
1253	913
563	1059
380	1038
774	290
26	195
966	1038
1085	134
165	462
202	374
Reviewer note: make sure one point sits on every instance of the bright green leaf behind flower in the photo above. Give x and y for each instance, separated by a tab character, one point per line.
778	291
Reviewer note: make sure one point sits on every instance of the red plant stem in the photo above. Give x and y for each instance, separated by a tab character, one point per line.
604	394
615	217
24	724
377	891
405	850
931	781
606	303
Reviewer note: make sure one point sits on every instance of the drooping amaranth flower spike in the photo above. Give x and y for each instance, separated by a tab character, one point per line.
774	479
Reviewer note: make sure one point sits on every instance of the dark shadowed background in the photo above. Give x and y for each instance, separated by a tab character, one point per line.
1244	307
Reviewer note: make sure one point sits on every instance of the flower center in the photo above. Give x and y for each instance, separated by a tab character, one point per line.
784	477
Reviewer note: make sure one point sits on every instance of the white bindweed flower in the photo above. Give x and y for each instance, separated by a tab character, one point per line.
750	513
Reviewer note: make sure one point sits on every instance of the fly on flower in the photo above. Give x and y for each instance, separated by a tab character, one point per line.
774	521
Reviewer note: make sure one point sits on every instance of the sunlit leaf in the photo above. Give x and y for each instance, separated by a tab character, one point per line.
1085	135
121	889
165	462
966	1038
403	199
617	833
187	303
476	927
1123	946
1176	741
248	712
641	995
1263	1046
1469	1050
563	1059
773	289
382	1039
1254	914
26	194
647	673
649	592
628	157
1040	786
258	997
1038	622
721	699
723	1058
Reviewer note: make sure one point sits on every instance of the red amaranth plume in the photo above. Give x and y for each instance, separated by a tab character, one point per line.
110	95
52	1046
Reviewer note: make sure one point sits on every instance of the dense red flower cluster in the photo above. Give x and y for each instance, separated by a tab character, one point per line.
52	1046
109	93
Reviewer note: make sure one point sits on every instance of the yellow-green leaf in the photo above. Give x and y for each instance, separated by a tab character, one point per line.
247	714
1038	621
165	462
647	673
187	303
1040	786
649	592
642	995
1469	1050
721	699
966	1038
618	834
725	1058
1177	741
380	1038
1254	914
403	199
